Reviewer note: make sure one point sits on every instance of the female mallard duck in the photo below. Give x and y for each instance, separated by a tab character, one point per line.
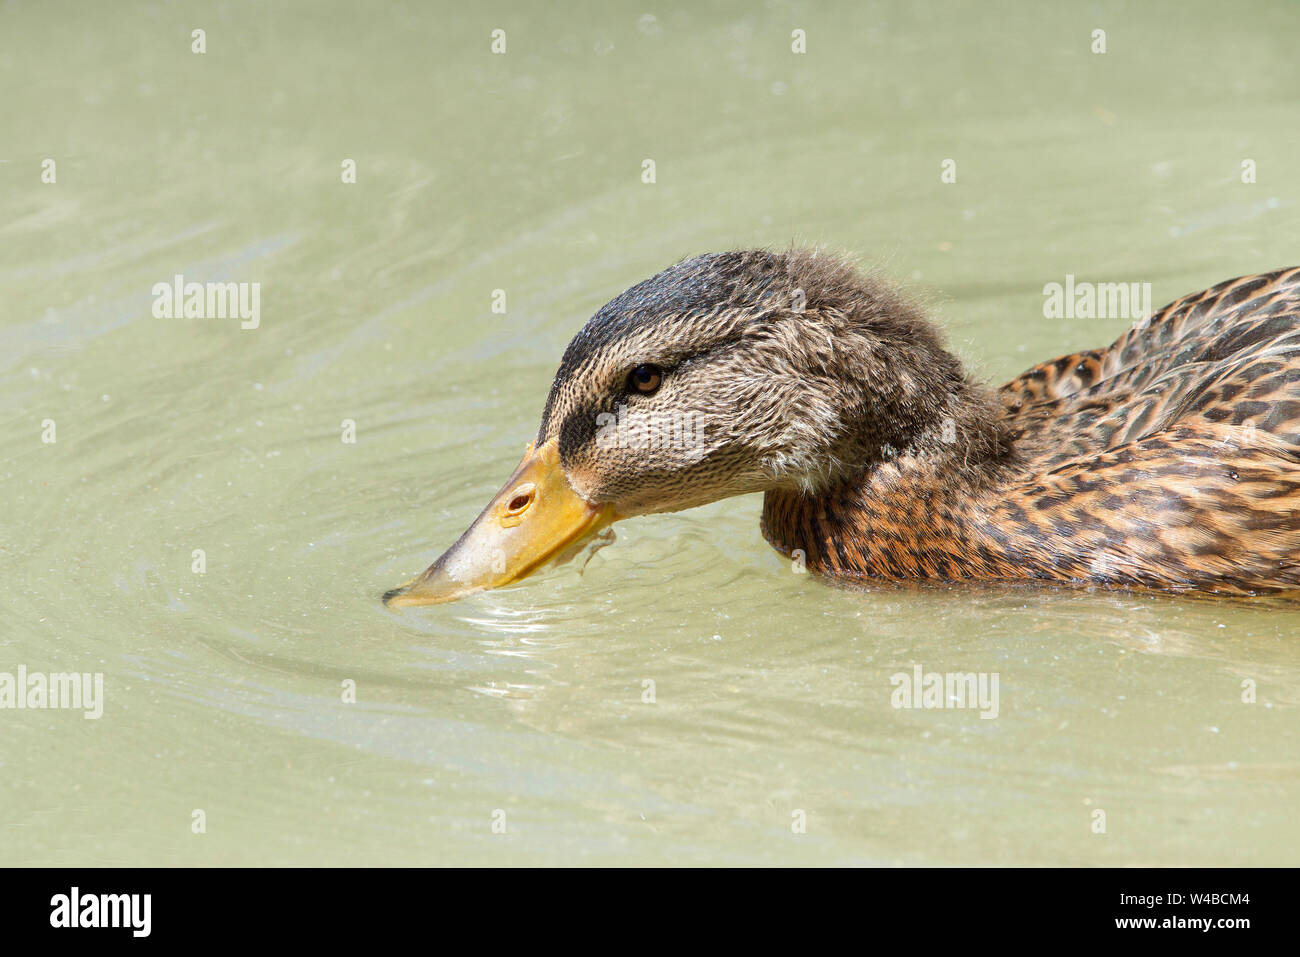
1170	459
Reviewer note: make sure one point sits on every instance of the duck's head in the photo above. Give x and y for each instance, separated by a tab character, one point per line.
724	374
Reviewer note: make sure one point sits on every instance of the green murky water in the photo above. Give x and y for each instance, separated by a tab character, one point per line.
223	691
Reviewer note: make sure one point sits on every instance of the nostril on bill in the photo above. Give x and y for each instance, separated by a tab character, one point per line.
520	501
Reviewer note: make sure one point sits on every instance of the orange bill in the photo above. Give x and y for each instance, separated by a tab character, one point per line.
537	518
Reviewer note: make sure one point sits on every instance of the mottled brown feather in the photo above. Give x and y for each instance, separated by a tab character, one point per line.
1170	459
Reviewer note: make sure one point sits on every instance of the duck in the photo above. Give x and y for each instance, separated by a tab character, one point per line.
1168	460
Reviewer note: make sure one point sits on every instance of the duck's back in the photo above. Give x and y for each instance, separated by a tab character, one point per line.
1171	457
1227	356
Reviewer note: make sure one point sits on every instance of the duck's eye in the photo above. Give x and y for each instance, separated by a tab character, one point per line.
645	378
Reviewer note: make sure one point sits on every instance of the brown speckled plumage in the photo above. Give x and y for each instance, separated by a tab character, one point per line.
1170	459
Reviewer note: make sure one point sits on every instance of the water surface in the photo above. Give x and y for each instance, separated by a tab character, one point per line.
225	691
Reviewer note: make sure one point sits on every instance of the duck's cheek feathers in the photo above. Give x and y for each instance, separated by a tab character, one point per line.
584	479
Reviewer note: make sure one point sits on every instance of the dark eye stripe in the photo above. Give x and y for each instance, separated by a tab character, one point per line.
577	430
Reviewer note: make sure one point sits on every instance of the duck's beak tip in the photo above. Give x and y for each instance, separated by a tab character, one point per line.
392	595
537	518
429	589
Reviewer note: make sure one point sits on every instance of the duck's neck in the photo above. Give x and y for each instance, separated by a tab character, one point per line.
913	511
